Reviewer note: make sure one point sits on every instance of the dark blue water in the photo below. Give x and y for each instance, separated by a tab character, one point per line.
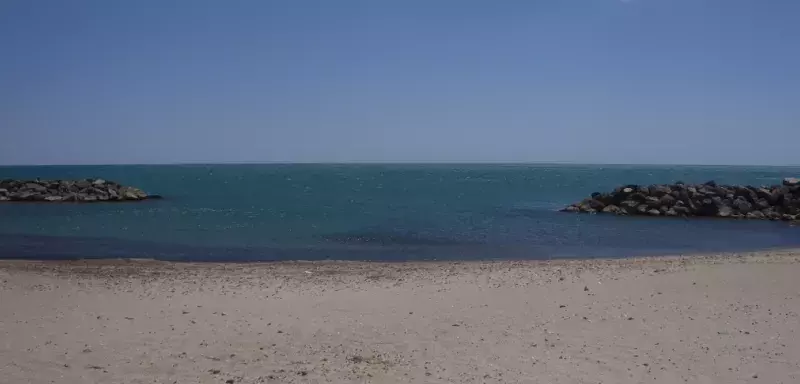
372	212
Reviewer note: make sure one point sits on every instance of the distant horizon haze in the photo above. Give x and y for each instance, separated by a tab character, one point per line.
422	163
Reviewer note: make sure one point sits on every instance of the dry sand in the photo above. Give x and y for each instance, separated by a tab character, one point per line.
712	319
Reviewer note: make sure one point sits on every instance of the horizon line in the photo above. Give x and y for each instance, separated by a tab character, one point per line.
397	163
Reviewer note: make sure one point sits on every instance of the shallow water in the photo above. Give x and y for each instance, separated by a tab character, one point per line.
373	212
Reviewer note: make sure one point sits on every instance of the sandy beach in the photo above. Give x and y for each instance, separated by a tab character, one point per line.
730	318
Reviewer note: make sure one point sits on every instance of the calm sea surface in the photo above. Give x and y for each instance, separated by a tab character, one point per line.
372	212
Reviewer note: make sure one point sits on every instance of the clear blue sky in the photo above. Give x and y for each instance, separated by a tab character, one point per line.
591	81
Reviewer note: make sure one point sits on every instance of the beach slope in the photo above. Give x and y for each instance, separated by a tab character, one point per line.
713	319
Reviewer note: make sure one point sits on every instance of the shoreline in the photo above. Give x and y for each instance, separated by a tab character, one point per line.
727	318
791	252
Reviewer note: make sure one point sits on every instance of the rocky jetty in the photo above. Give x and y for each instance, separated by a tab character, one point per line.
776	202
81	191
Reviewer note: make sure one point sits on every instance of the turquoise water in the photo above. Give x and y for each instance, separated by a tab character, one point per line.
372	212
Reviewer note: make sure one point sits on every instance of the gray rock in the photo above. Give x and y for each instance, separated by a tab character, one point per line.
654	212
724	211
764	193
130	194
660	190
53	198
762	204
35	187
594	204
653	202
629	206
611	209
98	182
772	214
791	181
22	196
787	201
570	208
3	192
667	200
742	205
758	215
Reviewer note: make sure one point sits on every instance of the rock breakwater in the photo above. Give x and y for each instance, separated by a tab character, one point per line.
776	202
81	191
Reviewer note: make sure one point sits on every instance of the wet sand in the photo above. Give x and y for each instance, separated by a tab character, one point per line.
731	318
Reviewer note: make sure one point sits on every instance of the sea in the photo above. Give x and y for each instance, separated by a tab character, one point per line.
374	212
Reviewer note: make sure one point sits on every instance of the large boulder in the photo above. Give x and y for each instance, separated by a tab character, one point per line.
667	200
596	204
742	205
762	204
36	187
129	193
571	208
724	211
83	184
652	202
771	213
629	206
660	190
791	181
764	193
